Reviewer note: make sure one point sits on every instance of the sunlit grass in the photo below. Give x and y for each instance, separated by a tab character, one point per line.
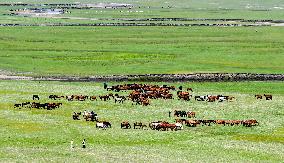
45	135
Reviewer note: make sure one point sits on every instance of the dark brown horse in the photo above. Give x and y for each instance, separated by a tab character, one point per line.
258	96
125	125
268	97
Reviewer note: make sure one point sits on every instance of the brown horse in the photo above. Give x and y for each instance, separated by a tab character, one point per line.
139	124
212	98
93	98
76	116
125	125
105	97
249	123
145	102
191	123
189	89
268	97
166	126
183	95
258	96
191	114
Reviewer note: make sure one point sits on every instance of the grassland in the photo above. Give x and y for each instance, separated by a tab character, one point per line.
86	51
159	9
44	136
36	135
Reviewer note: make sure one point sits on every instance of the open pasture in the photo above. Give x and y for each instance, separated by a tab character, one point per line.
44	135
86	51
271	10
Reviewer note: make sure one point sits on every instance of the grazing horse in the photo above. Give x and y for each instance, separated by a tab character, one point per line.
268	97
110	95
249	123
103	125
125	125
92	98
26	104
178	113
76	116
90	115
52	97
258	96
145	102
191	114
200	98
183	95
105	97
182	121
230	98
221	98
179	126
139	124
220	122
35	97
192	123
212	98
167	96
189	89
166	126
205	122
153	125
119	99
17	105
70	98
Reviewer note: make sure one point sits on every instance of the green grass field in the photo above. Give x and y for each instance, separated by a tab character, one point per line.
45	135
38	135
84	51
246	9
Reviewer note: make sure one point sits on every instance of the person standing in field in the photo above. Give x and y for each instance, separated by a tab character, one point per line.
105	85
170	113
72	144
84	144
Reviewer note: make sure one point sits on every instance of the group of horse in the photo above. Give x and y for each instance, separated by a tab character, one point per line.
159	125
142	93
91	116
194	123
213	98
37	105
182	113
267	97
87	115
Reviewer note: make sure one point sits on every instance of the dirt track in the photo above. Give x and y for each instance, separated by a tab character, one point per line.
197	77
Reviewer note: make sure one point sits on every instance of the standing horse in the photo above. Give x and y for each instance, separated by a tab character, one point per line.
125	125
35	97
76	116
191	114
258	96
268	97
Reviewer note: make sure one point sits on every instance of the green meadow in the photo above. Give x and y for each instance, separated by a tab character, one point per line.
37	135
85	51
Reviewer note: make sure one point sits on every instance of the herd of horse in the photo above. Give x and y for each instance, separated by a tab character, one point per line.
178	125
140	94
37	105
91	116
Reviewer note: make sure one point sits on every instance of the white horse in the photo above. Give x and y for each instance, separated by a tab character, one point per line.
119	99
100	125
179	126
154	125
